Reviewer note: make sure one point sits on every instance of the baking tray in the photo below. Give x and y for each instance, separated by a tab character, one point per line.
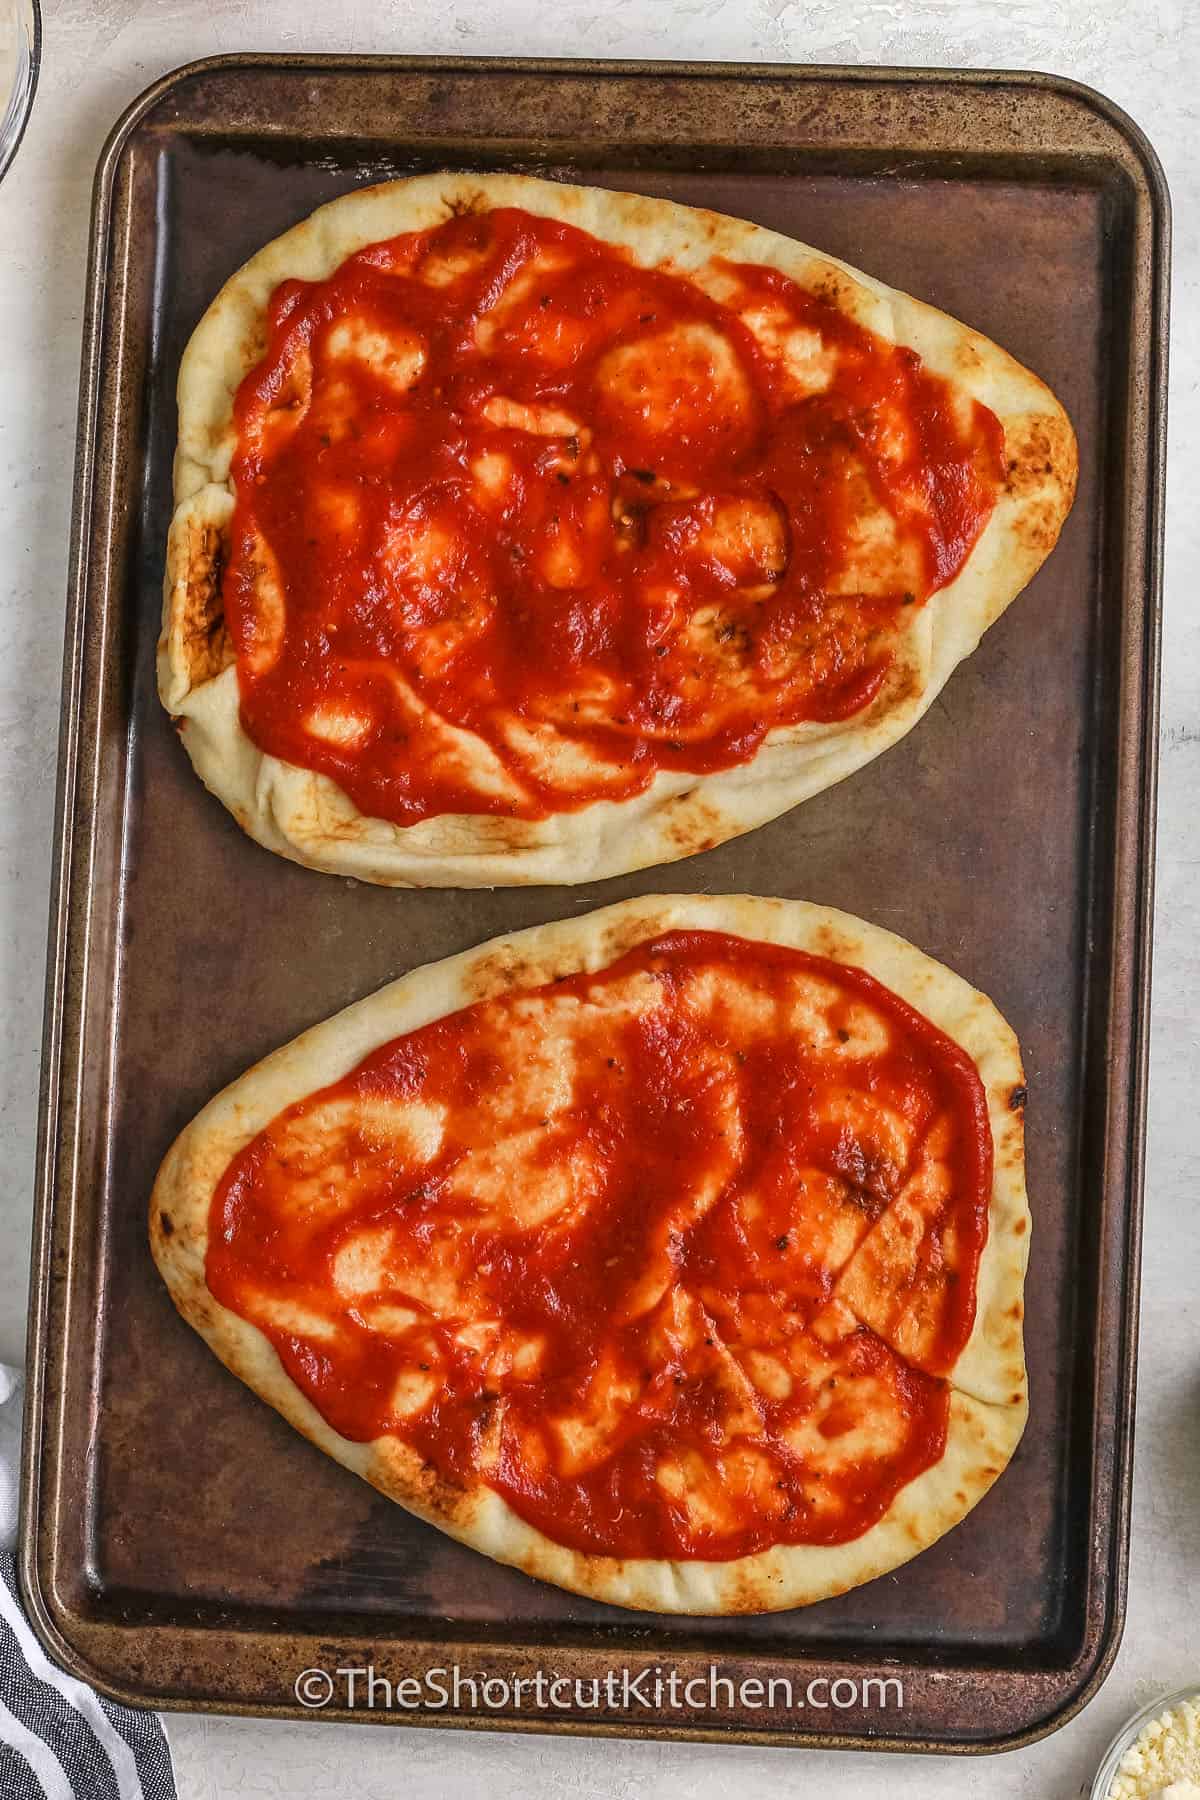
182	1546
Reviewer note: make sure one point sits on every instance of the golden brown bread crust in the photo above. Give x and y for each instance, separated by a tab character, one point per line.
306	817
989	1398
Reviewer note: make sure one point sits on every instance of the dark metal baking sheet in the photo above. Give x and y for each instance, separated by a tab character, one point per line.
181	1545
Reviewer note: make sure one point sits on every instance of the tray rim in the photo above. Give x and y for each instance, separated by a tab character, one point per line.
1137	941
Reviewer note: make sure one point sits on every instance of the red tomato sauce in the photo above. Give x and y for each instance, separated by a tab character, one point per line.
660	572
737	1119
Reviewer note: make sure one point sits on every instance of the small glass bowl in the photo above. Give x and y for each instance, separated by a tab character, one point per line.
1132	1730
20	44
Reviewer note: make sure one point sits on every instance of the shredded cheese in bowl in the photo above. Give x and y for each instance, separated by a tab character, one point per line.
1157	1755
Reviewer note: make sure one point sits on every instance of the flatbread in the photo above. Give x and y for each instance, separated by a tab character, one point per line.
307	816
986	1379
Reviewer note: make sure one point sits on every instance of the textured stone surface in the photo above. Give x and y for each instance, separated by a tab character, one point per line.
99	53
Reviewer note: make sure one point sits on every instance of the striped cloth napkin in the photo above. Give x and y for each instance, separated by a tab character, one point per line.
58	1739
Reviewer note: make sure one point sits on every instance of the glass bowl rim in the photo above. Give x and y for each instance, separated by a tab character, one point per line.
1110	1762
33	48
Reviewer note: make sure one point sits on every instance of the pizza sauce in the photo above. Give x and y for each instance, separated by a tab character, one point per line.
676	1257
519	523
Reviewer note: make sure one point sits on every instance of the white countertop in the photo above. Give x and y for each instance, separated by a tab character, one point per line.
1145	54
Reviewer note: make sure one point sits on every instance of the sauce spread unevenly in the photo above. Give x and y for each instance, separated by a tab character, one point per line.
600	1245
495	479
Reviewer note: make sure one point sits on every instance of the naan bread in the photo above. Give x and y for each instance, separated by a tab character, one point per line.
306	815
869	1277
